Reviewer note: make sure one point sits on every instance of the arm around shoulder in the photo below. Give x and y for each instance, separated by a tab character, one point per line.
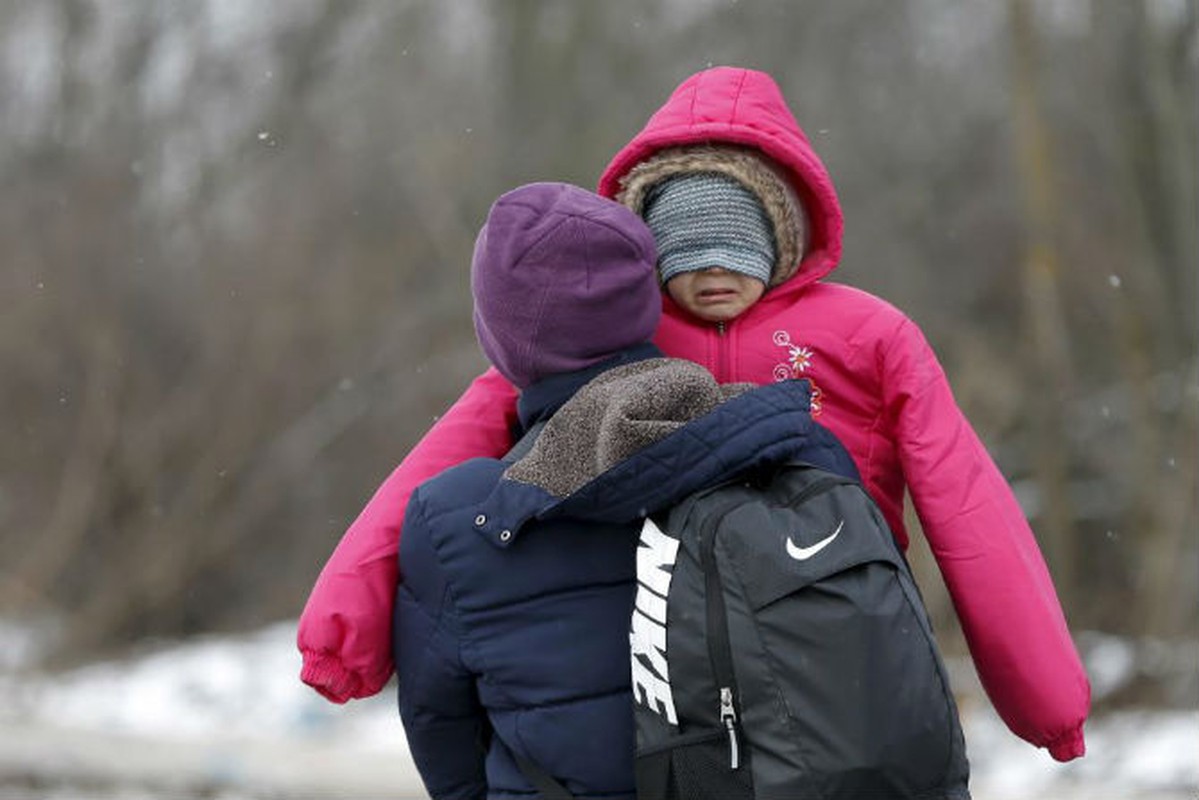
344	633
997	578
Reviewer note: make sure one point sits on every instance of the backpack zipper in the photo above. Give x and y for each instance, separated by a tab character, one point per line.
720	648
728	715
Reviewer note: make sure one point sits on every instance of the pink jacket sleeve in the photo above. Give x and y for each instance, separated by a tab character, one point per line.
996	576
344	634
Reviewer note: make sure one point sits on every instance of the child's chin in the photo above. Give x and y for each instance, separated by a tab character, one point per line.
715	313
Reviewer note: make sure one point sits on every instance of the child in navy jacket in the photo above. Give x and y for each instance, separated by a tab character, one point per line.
511	629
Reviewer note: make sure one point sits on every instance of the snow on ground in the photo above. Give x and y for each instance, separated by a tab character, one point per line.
227	718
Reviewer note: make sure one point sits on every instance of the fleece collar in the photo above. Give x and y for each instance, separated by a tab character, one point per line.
540	400
620	452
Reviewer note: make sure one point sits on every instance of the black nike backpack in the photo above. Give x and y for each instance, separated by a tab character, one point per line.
781	651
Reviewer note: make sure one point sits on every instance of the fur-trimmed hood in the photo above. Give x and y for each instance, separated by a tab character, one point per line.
641	437
767	182
727	105
614	416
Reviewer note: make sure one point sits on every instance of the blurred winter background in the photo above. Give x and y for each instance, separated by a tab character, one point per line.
235	237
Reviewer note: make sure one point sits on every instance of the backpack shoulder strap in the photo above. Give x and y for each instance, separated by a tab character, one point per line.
546	784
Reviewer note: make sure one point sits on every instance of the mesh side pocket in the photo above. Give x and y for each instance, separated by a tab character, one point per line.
701	771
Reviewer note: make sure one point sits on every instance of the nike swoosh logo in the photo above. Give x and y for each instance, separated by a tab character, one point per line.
804	553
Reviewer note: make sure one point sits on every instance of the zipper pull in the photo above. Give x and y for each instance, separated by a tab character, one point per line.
728	715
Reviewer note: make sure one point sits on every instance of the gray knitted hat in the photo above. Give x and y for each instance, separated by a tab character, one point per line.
706	219
745	164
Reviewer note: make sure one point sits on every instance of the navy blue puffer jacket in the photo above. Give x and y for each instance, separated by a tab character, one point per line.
512	615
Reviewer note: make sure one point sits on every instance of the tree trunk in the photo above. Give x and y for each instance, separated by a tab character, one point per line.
1049	360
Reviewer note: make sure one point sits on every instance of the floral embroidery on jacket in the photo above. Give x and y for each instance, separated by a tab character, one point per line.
798	361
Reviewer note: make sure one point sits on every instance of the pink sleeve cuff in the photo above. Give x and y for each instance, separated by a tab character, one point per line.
325	673
1069	746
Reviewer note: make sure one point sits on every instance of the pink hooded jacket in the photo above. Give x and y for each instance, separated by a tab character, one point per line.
877	385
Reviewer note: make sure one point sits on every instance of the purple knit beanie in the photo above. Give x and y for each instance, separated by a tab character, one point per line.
562	279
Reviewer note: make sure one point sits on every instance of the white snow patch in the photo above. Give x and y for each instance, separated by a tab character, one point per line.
240	687
241	696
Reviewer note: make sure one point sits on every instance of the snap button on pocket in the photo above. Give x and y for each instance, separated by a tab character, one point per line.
505	535
480	520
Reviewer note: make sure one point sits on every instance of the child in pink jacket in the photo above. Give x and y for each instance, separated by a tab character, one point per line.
765	313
